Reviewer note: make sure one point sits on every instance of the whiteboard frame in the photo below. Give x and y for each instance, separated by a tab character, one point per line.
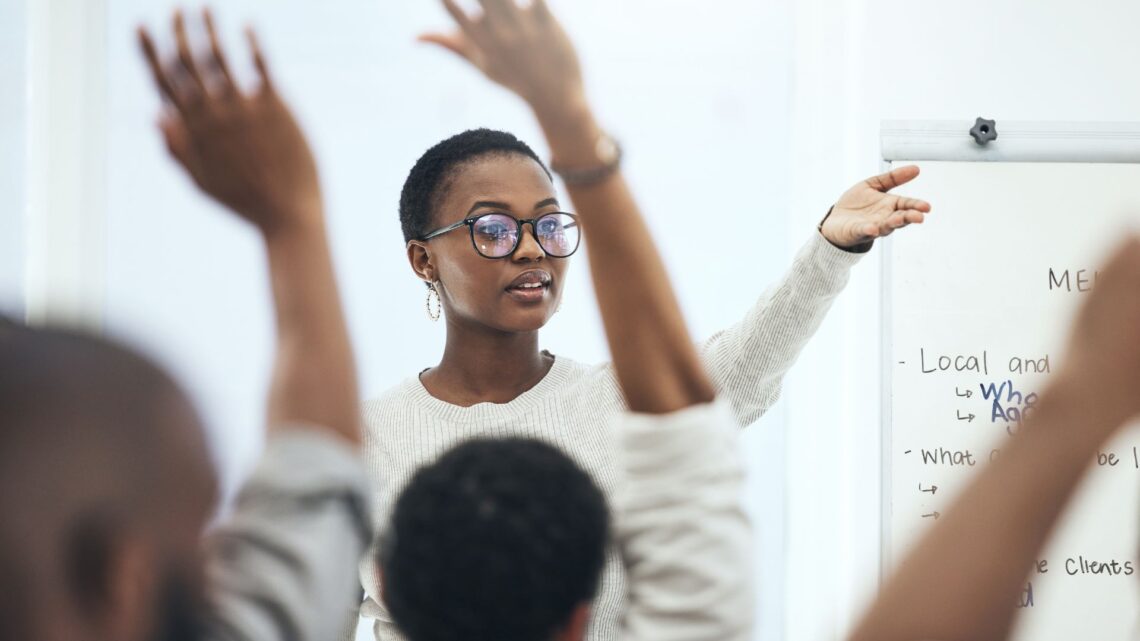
950	141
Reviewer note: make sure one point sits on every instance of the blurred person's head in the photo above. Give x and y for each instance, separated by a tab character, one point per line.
476	173
105	487
498	539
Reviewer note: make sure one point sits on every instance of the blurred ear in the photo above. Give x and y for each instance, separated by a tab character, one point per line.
113	580
419	257
575	628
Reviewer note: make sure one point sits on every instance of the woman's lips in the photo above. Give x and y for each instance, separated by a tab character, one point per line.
529	293
530	286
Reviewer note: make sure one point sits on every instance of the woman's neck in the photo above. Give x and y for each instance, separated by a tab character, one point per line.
486	366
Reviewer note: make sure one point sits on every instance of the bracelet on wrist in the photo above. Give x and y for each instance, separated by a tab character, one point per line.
609	153
861	248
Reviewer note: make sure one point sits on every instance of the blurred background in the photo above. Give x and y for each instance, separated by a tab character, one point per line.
743	120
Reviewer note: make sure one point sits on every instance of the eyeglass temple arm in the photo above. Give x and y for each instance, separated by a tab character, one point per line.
444	230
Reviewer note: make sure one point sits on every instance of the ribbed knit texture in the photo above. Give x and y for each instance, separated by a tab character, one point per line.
574	407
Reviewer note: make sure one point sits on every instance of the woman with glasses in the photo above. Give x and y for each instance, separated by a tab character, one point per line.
491	240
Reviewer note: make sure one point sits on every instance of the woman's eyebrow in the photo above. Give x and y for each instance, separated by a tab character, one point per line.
489	203
493	204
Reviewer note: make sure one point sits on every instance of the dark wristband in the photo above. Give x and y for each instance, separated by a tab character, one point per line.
861	248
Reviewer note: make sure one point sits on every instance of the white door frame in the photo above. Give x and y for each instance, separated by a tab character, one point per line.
65	161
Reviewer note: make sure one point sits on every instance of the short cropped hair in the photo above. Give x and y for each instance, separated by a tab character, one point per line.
498	539
430	176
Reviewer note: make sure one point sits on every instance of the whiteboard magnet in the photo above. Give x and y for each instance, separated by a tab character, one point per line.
984	131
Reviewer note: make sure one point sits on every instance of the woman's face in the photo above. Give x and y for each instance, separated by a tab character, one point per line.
497	293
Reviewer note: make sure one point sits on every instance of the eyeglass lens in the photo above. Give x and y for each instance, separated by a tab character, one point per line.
497	235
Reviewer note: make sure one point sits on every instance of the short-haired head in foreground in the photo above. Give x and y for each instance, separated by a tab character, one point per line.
499	539
105	486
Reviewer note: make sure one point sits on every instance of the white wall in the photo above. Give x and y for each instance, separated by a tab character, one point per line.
12	98
65	182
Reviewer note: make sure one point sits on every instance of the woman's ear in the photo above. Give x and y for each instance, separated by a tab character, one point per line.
420	259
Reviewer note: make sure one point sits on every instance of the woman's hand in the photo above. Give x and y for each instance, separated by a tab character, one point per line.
866	211
244	149
523	49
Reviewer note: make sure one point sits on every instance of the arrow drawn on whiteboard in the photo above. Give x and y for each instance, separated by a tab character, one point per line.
968	393
969	418
935	515
932	489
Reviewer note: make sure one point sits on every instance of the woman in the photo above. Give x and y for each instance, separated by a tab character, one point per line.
484	231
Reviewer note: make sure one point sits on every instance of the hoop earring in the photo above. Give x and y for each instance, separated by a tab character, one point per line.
434	314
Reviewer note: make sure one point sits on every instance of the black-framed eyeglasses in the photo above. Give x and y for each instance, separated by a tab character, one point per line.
496	235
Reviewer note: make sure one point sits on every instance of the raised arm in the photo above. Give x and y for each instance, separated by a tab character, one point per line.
283	566
683	536
961	580
245	150
525	50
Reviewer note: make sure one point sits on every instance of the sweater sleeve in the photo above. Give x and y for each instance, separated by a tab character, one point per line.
681	528
748	360
283	566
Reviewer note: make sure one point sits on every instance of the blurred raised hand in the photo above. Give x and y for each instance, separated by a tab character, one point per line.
521	48
243	148
868	211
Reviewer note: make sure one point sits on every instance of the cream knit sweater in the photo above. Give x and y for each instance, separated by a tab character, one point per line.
575	408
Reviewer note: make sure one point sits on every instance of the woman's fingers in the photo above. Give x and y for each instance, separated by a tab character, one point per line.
259	60
914	216
218	61
185	55
161	79
905	203
505	12
175	137
457	43
540	9
899	220
893	178
459	15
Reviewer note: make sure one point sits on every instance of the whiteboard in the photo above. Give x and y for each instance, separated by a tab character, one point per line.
977	307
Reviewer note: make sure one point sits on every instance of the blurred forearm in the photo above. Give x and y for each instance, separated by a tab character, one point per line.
314	378
961	581
654	357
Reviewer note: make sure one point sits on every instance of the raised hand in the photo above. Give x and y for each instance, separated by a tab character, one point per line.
244	149
522	48
866	211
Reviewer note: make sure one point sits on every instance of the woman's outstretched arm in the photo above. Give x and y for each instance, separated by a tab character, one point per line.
528	52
